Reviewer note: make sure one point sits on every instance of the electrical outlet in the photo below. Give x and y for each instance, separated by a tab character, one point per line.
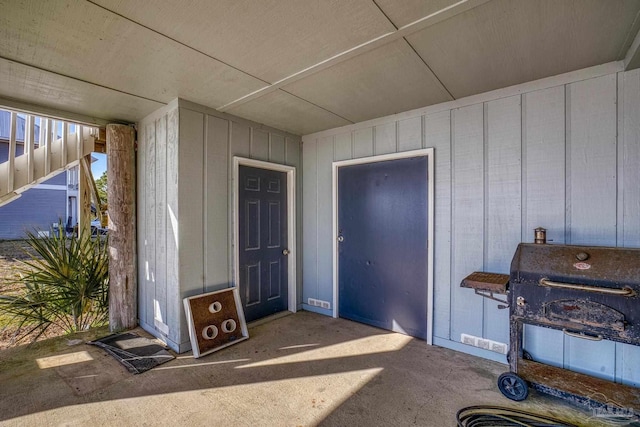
498	347
319	303
468	339
484	343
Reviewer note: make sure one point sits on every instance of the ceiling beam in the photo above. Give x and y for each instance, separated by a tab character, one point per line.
630	50
422	23
52	113
632	58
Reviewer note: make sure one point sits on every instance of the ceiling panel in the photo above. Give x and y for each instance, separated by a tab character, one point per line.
269	39
286	112
405	12
78	39
387	80
120	59
506	42
43	88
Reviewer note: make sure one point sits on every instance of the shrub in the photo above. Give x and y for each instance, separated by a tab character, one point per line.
65	283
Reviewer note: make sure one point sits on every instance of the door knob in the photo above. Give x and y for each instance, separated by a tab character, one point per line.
340	239
285	252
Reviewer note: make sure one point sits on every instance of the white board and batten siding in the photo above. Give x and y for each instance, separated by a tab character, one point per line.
563	154
185	154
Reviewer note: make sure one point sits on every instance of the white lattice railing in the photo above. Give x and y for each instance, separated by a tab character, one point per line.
59	146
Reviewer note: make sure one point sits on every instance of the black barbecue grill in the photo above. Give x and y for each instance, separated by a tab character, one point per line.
587	292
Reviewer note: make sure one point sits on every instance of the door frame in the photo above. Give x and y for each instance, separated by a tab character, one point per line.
291	222
425	152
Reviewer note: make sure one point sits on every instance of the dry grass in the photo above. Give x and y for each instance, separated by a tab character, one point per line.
12	252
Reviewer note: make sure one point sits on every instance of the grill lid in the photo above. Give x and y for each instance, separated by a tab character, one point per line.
591	265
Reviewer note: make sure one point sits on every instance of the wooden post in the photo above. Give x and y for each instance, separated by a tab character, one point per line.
122	227
84	198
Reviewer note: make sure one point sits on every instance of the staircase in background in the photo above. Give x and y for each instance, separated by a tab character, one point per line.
60	145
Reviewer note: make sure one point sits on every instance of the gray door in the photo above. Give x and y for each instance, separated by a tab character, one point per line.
262	240
382	224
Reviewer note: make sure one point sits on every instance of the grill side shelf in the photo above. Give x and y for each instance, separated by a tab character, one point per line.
490	282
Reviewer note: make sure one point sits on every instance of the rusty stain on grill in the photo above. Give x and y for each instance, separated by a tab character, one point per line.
602	299
585	313
587	292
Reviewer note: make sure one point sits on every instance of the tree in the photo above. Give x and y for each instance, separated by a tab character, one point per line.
101	183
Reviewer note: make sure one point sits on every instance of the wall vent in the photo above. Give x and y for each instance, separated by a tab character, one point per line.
495	346
319	303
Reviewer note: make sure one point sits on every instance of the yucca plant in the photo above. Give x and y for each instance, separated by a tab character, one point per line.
65	283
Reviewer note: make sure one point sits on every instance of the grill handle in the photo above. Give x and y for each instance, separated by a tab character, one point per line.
625	292
583	336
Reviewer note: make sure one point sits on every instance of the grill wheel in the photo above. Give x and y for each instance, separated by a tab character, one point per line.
513	387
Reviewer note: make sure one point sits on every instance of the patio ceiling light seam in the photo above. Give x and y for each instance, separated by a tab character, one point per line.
415	51
385	14
435	76
318	106
420	24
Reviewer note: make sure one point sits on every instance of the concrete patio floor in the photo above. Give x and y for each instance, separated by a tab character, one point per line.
298	370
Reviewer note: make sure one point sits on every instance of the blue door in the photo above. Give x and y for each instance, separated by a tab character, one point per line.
262	240
382	229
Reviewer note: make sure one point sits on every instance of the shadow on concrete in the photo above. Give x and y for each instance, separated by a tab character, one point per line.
302	369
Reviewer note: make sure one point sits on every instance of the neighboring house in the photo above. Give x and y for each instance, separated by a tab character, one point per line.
43	205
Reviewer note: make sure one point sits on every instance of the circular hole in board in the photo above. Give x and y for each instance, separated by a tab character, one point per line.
228	326
215	307
209	332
